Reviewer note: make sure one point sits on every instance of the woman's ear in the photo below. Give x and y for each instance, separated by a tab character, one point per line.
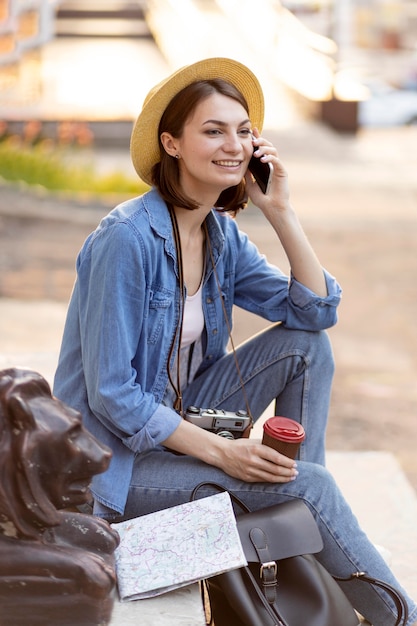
169	144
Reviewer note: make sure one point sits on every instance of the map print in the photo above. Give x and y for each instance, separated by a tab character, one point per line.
176	547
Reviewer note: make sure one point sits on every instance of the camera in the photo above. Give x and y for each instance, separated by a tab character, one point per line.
223	423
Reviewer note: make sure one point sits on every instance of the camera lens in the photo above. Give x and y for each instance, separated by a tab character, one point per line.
225	433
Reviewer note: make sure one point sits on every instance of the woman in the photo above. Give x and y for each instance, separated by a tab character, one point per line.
148	324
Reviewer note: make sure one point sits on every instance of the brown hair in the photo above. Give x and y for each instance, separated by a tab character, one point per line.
165	173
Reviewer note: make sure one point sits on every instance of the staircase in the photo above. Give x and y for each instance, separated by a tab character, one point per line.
101	18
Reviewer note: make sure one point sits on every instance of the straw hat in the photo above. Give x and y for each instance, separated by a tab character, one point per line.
144	146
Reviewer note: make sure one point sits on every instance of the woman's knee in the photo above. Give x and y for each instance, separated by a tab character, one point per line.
321	352
315	349
315	485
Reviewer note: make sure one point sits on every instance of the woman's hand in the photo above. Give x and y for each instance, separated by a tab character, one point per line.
251	461
276	207
246	459
278	195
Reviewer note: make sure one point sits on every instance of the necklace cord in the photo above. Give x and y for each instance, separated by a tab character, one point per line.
178	403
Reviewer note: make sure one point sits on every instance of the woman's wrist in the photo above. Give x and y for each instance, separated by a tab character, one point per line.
217	452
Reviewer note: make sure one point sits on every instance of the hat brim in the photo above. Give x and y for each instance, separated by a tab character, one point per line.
144	143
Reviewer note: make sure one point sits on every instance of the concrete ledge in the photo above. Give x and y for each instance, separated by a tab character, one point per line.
372	482
380	496
182	607
385	504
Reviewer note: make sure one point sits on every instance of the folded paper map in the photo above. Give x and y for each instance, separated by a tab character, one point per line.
176	547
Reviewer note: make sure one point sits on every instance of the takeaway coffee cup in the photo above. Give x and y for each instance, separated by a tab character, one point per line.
284	435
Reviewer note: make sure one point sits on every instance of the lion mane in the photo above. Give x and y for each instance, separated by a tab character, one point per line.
24	506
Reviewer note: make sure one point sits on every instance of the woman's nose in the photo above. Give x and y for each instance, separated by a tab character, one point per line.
232	144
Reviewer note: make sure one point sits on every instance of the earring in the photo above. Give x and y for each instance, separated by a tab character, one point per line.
177	156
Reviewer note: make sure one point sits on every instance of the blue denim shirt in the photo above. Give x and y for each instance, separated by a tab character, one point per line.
124	312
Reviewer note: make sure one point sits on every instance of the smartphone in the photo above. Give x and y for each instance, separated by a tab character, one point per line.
262	172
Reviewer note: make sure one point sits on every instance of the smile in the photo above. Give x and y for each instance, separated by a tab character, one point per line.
228	163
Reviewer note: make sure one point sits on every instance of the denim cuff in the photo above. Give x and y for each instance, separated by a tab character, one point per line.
304	298
158	428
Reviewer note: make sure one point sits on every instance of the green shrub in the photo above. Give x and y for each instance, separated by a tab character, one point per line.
60	169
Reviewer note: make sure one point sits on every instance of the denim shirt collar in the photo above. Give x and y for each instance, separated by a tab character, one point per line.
160	222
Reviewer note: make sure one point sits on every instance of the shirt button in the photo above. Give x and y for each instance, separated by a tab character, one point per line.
214	331
209	300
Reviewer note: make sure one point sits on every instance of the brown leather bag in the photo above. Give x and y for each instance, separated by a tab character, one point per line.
283	583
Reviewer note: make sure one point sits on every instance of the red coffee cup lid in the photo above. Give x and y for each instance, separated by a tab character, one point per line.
284	429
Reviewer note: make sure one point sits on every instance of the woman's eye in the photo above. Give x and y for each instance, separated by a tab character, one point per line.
245	132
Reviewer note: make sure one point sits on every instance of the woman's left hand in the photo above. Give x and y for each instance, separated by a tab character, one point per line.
278	194
276	207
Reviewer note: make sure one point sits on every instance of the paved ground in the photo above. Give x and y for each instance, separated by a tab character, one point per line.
357	198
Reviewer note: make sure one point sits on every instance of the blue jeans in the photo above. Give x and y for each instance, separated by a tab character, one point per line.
296	369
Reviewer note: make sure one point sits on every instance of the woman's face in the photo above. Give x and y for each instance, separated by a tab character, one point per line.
215	147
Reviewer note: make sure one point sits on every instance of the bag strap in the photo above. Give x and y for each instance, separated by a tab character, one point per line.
400	602
269	607
221	489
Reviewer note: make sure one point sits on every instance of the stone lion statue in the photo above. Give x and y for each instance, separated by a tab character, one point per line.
56	565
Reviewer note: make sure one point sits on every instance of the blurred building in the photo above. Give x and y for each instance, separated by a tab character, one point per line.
372	24
24	25
386	24
317	50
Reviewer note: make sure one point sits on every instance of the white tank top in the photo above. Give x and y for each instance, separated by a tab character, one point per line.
193	323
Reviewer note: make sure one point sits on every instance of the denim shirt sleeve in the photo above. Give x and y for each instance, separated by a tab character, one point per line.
305	304
113	302
265	290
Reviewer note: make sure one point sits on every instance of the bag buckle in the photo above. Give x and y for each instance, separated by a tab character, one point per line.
268	575
268	566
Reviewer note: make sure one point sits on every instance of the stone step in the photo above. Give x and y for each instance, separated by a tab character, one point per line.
112	18
182	607
101	27
385	504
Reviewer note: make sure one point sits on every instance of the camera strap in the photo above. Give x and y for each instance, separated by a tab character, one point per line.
176	341
226	319
178	331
